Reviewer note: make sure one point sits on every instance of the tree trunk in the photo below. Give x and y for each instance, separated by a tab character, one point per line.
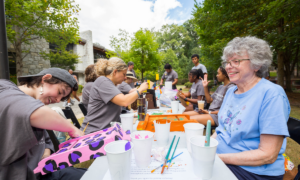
18	49
280	57
287	73
142	74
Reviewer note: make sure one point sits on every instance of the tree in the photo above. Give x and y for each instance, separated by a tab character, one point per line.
63	59
144	51
276	21
52	20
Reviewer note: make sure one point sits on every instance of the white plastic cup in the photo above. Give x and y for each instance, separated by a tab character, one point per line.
162	132
192	129
181	109
119	159
127	121
168	84
175	107
203	157
142	141
200	104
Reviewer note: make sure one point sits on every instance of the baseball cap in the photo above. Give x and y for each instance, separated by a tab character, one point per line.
55	72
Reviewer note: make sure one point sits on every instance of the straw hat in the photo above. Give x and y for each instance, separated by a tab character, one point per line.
129	74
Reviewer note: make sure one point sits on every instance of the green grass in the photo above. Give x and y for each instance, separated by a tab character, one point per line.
273	74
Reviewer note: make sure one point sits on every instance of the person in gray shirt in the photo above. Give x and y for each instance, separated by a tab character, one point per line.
197	65
90	77
130	68
125	87
215	99
169	75
196	92
105	98
23	117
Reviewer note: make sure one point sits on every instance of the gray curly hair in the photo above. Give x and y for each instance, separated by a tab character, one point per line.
259	52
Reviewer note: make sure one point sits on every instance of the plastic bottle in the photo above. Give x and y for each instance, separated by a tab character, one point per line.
61	137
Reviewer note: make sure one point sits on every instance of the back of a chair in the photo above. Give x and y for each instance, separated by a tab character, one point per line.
70	115
294	129
83	109
53	139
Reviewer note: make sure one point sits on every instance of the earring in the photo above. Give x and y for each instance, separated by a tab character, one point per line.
41	91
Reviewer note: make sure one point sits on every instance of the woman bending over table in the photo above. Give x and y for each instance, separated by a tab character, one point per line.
105	98
215	99
23	117
253	117
196	93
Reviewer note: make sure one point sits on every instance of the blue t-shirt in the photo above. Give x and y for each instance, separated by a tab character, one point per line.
264	109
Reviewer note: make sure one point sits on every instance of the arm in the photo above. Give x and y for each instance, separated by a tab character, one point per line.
132	90
46	118
206	92
175	82
125	100
266	153
195	101
161	81
202	111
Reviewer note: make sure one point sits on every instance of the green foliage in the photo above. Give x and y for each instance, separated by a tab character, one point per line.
188	84
276	21
64	59
182	81
13	78
144	51
80	87
52	20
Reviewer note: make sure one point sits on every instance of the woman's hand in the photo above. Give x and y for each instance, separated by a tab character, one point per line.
202	111
205	82
76	133
47	153
181	95
143	87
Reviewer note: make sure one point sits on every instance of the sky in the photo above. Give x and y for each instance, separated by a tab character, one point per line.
105	17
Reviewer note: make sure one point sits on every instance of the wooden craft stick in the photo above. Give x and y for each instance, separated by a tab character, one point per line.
86	126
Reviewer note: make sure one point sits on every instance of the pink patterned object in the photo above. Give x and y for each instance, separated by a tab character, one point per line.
81	149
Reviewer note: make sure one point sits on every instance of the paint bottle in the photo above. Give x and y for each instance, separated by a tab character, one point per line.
142	108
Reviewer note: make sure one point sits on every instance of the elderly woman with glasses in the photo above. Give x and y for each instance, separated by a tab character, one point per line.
253	117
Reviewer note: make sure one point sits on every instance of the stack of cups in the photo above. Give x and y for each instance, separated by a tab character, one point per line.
168	85
203	157
175	107
119	159
142	141
192	129
127	121
162	131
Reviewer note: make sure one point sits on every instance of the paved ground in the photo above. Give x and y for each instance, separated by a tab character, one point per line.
74	107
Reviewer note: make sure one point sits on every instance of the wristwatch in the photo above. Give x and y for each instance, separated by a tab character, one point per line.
185	99
138	93
209	112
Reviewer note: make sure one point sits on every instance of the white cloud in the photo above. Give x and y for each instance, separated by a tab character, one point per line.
105	17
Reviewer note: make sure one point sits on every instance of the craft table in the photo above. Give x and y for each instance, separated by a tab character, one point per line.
100	166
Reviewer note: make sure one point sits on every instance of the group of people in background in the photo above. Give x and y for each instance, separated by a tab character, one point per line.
252	126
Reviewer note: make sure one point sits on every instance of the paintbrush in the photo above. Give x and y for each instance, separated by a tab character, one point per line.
207	138
168	161
85	127
173	153
167	156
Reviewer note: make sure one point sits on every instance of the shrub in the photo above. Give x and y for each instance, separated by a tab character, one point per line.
80	87
13	78
182	81
188	84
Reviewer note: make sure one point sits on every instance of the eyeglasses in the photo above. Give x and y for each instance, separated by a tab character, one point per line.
233	63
